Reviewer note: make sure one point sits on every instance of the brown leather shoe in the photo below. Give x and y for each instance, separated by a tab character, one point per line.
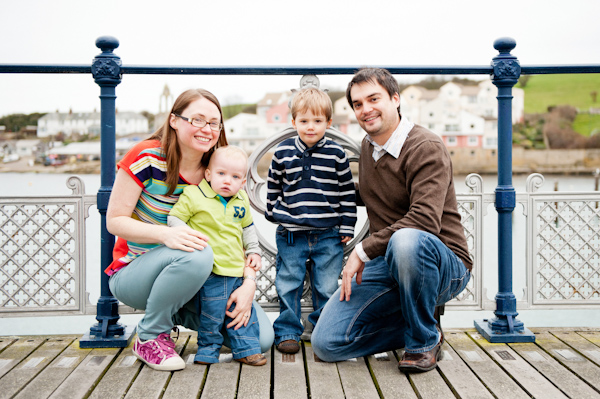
257	359
288	346
420	362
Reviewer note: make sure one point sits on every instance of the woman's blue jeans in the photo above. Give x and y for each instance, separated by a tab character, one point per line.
324	248
394	306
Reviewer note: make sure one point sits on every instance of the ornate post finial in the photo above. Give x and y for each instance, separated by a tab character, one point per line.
106	67
506	66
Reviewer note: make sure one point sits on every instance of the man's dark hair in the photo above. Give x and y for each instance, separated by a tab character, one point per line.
374	75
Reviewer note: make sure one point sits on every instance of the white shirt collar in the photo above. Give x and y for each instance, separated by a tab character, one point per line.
394	144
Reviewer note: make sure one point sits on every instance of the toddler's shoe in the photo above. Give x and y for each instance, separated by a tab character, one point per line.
159	353
288	346
254	360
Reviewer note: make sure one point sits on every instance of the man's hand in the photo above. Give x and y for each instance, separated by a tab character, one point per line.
354	266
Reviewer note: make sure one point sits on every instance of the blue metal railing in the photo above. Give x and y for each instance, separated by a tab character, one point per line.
505	70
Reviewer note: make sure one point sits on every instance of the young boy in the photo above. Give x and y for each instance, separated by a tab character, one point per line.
310	194
220	208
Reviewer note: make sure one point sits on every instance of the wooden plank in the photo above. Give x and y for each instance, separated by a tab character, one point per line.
429	385
222	377
52	376
18	351
119	377
26	371
85	377
6	341
255	381
582	345
521	371
594	338
323	378
289	380
570	357
464	383
188	382
151	383
558	374
490	373
392	383
356	379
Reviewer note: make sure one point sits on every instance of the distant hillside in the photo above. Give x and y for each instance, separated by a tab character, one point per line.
576	90
542	91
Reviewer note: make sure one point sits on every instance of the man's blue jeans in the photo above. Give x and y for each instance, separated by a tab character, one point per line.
394	306
325	249
213	299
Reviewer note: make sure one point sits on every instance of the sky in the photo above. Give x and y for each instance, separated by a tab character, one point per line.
271	33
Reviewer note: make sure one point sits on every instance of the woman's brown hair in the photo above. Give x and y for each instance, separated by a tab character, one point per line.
168	136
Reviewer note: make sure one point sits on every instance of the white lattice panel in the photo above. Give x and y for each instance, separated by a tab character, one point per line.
41	252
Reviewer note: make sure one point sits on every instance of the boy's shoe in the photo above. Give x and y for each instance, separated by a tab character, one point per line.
288	346
158	353
254	360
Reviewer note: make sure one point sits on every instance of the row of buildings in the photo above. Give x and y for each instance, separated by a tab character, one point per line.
464	116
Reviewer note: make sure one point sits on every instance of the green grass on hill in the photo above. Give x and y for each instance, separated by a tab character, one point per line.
587	124
543	91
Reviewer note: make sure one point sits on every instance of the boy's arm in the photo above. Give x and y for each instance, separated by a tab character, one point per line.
347	198
274	190
183	208
174	221
250	240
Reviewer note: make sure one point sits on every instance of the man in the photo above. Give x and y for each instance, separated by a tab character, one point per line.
416	256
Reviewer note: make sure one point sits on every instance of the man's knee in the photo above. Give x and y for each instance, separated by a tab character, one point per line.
404	249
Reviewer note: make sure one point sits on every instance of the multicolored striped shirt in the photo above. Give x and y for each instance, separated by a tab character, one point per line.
311	188
146	165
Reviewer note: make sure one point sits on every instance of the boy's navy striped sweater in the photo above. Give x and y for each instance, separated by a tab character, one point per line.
311	188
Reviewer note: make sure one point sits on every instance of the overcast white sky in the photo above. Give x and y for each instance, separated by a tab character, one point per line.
272	32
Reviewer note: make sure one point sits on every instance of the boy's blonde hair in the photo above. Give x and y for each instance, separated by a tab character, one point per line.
315	100
232	151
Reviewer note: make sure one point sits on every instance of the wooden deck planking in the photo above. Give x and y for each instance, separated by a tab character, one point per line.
391	383
255	382
289	379
459	376
570	358
558	374
151	383
562	363
85	377
323	378
526	375
32	365
481	364
356	378
49	379
189	381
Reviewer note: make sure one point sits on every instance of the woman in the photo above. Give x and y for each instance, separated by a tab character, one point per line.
159	268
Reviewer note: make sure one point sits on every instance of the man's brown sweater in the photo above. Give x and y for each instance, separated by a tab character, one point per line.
416	190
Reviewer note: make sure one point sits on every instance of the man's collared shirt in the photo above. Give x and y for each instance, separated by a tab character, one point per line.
393	147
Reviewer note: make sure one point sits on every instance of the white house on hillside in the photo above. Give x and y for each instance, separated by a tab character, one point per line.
69	123
464	116
246	131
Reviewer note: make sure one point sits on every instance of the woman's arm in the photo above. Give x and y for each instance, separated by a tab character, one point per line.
124	197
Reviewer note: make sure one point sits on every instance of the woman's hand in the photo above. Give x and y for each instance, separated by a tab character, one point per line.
242	297
184	238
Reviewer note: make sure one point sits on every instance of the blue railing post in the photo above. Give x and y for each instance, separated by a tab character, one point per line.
106	69
505	327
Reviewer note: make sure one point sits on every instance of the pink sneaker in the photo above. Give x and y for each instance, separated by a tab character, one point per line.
159	353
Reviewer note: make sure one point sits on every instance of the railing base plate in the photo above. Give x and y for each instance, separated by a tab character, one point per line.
117	341
484	329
